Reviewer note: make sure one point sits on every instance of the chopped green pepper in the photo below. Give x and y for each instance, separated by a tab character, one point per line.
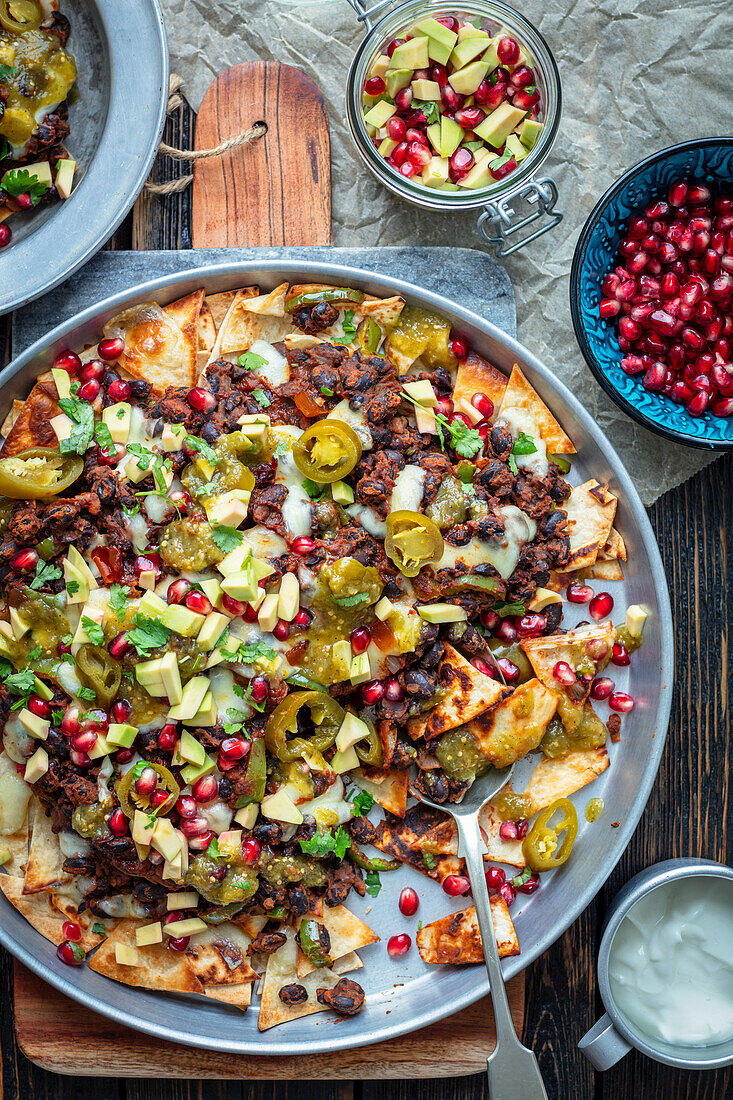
541	846
412	541
315	942
20	15
369	749
372	863
340	294
255	776
327	451
99	671
368	336
327	717
38	473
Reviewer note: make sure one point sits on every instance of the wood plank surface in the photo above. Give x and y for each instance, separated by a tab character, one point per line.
277	190
686	815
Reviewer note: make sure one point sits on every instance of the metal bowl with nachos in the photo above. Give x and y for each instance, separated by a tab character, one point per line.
272	559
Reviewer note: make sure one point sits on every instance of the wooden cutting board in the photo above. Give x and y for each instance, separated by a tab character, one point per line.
275	191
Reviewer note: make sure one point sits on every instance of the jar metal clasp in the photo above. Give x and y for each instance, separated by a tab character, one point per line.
499	221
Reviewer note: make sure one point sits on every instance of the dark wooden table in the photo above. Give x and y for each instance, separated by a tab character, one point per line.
687	813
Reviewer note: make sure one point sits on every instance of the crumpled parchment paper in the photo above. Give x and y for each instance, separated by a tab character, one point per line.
637	75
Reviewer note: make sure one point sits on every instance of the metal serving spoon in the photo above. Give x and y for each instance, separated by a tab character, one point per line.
512	1068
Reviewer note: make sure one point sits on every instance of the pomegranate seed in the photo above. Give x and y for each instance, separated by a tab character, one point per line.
481	665
110	349
281	630
489	619
118	823
92	371
482	93
393	690
147	563
526	101
530	626
408	169
119	390
202	842
698	404
121	711
6	235
158	797
39	706
70	953
303	545
496	95
70	722
722	406
678	193
655	378
192	826
70	930
578	593
111	455
632	364
235	747
495	878
620	655
67	360
374	85
360	639
372	692
79	758
529	885
459	166
396	128
251	849
409	902
508	893
186	806
176	593
445	406
601	606
601	688
403	100
609	307
619	700
509	670
304	618
508	51
146	782
260	688
449	21
89	391
118	647
698	194
181	500
25	561
200	399
680	393
237	607
179	943
564	673
84	741
470	117
455	885
205	789
483	404
398	945
452	100
198	602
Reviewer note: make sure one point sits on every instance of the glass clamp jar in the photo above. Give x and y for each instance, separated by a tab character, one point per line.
517	208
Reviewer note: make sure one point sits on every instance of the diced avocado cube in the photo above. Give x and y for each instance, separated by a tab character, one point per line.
42	689
435	173
229	509
247	816
341	659
352	730
207	713
241	586
152	606
193	696
529	131
384	609
173	436
636	616
36	766
467	80
117	418
212	589
288	601
438	31
434	136
161	678
65	169
496	128
41	170
148	934
33	725
100	748
211	630
181	620
396	80
165	839
379	113
122	735
359	670
439	52
345	761
186	927
142	827
515	147
192	772
342	493
190	748
280	807
466	50
262	568
442	613
380	66
426	89
491	56
62	378
20	625
467	30
233	562
451	136
267	614
479	176
411	55
387	147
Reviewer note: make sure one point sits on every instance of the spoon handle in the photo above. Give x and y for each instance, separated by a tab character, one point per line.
512	1069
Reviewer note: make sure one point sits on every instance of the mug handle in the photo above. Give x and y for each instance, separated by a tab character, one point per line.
602	1045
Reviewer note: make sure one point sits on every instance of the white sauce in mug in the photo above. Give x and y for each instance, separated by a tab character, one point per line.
671	963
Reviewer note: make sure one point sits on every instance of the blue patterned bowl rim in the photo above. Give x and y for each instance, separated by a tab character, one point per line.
576	309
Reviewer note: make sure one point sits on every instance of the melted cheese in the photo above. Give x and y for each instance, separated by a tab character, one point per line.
275	368
407	493
355	419
520	420
296	510
266	543
333	801
369	519
519	529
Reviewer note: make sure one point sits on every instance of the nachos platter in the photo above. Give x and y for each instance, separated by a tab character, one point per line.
286	561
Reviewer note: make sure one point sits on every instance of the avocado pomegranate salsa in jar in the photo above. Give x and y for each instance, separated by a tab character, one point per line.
270	561
37	73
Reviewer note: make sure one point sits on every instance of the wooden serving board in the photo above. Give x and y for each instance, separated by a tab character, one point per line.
275	191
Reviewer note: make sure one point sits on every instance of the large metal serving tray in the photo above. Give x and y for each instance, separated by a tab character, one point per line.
403	994
116	119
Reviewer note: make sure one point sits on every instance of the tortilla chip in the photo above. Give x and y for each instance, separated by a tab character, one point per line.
38	909
206	329
442	839
240	329
238	996
218	956
553	779
385	311
515	726
157	968
402	361
185	313
32	427
387	786
45	858
400	839
615	548
17	844
156	348
456	938
251	924
269	305
220	304
282	970
590	508
520	395
604	571
476	375
12	416
347	933
544	654
465	692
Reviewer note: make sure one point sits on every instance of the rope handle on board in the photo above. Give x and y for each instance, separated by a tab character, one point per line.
174	186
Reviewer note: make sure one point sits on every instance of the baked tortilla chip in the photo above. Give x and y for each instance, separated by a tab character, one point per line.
17	844
590	508
45	858
12	416
32	427
268	305
385	311
520	395
604	571
456	938
346	932
476	375
16	804
156	967
218	956
443	839
464	693
156	348
241	328
220	304
282	970
238	996
553	779
206	329
185	313
38	909
251	924
615	548
515	726
585	643
387	786
400	839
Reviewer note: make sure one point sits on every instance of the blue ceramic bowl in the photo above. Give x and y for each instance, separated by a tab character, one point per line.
708	160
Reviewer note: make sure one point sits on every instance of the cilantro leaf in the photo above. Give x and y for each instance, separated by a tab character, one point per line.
104	437
147	635
5	667
248	654
429	108
72	587
373	883
326	391
282	448
19	181
144	455
81	414
465	441
524	445
351	601
35	653
261	398
45	571
314	490
235	723
93	630
6	71
322	844
247	696
349	327
118	597
57	716
203	449
87	693
99	929
512	464
21	683
362	803
213	849
503	609
226	538
4	147
251	361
